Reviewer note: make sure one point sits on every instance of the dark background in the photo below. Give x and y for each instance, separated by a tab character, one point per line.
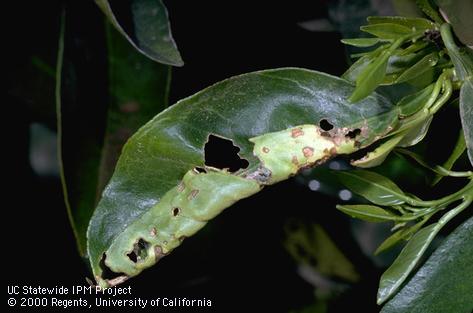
238	261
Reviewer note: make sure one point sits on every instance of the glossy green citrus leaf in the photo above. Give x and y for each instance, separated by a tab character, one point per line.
466	114
419	68
378	155
415	47
427	6
372	186
458	150
410	22
398	272
416	134
371	77
444	284
399	62
399	236
369	213
145	24
413	103
96	116
162	191
386	30
361	42
359	66
459	13
461	57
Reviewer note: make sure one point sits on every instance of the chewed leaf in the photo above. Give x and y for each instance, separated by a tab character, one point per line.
162	190
145	24
378	155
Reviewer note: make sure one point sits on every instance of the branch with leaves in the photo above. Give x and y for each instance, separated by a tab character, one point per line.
280	121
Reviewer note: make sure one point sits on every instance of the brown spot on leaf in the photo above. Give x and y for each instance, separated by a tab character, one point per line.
296	132
295	160
153	232
158	253
181	187
308	151
265	149
175	211
193	194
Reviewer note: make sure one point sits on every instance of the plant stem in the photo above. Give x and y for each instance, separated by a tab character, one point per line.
465	191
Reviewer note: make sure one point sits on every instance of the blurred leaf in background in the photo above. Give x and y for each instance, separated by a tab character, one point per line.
106	91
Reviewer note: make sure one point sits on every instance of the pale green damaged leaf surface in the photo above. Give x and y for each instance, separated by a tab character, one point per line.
444	284
156	196
149	31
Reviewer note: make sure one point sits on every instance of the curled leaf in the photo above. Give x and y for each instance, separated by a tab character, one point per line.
164	189
145	24
378	155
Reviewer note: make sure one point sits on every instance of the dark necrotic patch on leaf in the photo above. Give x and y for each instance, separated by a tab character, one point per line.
222	154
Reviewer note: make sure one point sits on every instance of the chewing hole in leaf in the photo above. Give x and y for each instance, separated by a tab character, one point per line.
107	273
140	251
325	125
223	154
352	134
